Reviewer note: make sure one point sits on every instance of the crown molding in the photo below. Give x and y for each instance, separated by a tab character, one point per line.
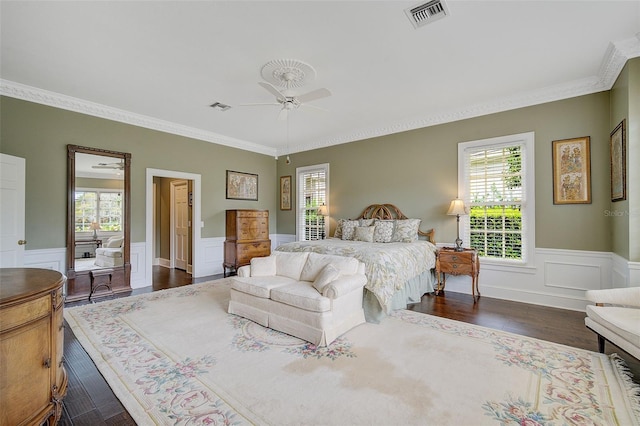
45	97
614	60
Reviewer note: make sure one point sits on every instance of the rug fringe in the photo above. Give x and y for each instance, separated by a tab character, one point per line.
632	389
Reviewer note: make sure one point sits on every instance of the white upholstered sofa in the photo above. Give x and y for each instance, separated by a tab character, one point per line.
616	318
315	297
110	254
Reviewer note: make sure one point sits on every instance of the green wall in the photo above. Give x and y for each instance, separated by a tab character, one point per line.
40	134
417	171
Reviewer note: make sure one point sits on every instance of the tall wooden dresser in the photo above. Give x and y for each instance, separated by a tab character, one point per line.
247	237
33	379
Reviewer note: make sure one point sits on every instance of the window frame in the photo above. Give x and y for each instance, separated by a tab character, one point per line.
98	191
300	207
527	141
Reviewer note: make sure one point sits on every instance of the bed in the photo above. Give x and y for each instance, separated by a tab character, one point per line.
399	270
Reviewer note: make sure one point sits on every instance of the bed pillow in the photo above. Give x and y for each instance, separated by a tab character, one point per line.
383	231
364	233
349	229
338	231
366	222
325	277
406	230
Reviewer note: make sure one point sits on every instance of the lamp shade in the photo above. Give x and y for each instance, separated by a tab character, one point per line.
322	210
456	207
94	226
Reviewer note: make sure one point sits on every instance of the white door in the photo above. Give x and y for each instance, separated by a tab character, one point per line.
12	209
181	225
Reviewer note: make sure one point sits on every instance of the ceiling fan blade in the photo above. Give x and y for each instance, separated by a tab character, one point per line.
314	107
313	95
283	115
272	89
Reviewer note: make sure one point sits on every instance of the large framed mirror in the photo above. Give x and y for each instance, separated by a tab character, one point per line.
98	222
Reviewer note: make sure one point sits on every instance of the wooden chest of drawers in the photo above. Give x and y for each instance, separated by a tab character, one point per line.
453	262
33	379
247	236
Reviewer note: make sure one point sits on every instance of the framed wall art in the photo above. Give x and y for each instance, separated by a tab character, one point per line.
242	186
285	192
618	155
572	171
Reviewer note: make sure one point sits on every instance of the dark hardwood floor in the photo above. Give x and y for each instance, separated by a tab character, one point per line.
90	401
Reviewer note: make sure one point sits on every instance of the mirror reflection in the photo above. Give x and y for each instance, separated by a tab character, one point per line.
99	212
98	229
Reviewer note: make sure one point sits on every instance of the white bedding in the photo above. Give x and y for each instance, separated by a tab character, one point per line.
389	266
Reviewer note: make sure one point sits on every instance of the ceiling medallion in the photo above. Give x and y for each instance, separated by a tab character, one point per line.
288	73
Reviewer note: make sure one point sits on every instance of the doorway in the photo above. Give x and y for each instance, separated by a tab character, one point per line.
166	191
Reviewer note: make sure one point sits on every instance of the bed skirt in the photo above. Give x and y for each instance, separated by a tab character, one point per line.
411	293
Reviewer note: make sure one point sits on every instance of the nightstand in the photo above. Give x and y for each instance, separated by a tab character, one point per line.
466	262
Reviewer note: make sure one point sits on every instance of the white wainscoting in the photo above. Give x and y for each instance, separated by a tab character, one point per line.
211	256
138	271
55	259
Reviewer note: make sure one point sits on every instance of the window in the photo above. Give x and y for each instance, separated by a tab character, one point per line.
104	207
497	184
313	191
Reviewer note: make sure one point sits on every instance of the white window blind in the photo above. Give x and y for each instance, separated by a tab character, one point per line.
312	184
103	207
497	192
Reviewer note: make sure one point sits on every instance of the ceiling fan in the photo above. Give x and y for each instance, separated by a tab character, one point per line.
289	103
113	166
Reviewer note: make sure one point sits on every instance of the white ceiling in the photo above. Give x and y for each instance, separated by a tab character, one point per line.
160	64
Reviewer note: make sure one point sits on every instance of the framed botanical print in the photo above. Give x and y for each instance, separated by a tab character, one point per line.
242	186
618	155
572	171
285	193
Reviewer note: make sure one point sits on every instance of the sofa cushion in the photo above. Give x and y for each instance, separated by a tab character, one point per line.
301	295
315	263
259	286
622	321
326	275
114	242
109	252
263	266
290	264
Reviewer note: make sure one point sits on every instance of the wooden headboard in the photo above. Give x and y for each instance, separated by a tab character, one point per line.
389	212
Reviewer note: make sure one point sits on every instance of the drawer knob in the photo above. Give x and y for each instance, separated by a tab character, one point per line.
47	363
455	265
455	258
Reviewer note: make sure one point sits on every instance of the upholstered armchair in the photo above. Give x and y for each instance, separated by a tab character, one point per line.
615	317
110	254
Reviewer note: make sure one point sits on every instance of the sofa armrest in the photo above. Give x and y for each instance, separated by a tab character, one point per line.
615	296
244	271
343	285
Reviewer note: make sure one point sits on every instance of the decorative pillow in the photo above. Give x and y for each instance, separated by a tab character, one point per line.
326	276
366	222
263	266
383	231
364	233
406	230
349	229
338	231
114	242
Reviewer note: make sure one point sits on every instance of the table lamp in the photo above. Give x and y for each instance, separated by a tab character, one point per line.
457	208
94	227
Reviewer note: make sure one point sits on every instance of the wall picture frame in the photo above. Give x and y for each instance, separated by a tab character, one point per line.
285	192
572	171
242	186
618	156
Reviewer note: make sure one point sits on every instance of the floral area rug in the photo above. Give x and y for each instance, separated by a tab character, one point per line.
176	357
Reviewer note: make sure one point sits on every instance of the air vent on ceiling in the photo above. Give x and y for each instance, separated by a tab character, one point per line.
426	13
219	106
